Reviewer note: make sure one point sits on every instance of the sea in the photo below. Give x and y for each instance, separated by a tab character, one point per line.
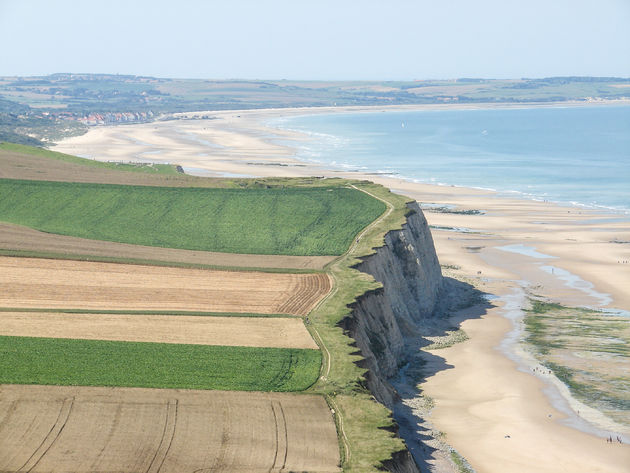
577	155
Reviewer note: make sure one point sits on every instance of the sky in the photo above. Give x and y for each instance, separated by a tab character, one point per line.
317	39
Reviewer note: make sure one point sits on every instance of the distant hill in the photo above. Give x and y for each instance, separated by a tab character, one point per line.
51	107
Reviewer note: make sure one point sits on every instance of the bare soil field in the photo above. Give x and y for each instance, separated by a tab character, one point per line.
15	165
60	429
16	237
44	283
196	330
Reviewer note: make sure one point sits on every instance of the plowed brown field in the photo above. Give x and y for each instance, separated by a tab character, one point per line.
15	237
62	429
14	165
35	283
196	330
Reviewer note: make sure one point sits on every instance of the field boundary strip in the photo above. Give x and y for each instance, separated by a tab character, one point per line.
365	439
339	417
150	262
149	312
338	260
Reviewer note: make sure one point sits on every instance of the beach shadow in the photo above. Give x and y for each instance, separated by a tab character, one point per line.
459	302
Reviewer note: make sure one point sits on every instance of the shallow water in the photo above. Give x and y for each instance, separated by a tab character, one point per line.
524	250
574	281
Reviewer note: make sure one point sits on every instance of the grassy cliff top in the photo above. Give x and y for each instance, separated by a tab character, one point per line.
284	221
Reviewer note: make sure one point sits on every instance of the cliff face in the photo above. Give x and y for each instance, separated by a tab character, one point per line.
384	321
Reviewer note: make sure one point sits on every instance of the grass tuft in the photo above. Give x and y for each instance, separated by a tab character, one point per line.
460	463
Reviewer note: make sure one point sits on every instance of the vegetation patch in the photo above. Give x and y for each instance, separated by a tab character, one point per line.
453	267
286	221
448	210
460	462
29	360
450	337
585	349
540	307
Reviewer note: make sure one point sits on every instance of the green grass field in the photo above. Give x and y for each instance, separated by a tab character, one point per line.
167	169
26	360
286	221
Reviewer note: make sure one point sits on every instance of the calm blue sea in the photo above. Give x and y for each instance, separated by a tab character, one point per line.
578	155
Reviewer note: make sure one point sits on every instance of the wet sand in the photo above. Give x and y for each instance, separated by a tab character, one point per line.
514	248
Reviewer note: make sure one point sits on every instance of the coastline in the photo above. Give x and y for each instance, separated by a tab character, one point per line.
486	396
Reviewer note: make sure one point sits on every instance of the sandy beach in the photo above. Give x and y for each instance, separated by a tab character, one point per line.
492	407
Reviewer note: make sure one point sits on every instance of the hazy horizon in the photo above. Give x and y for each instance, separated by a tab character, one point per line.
275	79
329	41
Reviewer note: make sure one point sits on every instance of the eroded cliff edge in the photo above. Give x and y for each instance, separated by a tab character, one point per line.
386	322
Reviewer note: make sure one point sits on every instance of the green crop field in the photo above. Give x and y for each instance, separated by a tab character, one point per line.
285	221
26	360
